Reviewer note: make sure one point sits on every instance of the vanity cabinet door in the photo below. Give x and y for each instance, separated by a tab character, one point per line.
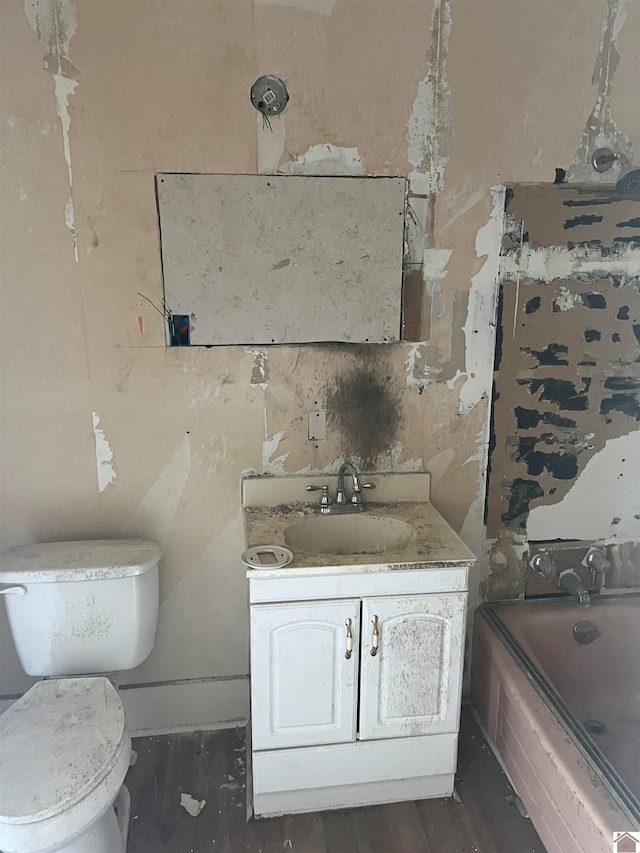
412	684
304	673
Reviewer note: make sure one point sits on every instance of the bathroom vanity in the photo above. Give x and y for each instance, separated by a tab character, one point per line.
356	653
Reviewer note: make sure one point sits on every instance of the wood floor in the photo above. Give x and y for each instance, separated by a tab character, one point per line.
211	766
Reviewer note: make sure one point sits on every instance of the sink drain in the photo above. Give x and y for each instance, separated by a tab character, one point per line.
584	632
595	727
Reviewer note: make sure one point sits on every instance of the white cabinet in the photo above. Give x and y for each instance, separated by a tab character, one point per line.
355	700
304	665
411	685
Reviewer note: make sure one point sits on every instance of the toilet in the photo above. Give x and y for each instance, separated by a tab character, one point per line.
76	610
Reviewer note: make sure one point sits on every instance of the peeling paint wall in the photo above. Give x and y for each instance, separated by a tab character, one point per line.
54	22
460	96
566	410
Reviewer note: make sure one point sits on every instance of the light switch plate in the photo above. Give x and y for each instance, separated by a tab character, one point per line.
318	425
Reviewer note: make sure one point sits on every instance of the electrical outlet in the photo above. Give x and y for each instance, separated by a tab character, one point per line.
318	425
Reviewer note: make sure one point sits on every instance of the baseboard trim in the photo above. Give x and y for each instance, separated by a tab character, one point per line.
352	796
186	706
6	702
173	707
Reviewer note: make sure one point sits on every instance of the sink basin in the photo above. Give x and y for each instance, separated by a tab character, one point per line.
348	534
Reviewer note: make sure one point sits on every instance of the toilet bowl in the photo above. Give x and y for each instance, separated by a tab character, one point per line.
75	609
65	753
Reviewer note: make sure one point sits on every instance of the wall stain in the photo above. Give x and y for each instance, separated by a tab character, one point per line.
562	392
587	202
622	383
532	305
627	404
585	219
561	466
547	356
593	300
364	407
530	418
521	493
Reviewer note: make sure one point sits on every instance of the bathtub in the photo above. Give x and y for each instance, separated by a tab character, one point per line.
564	715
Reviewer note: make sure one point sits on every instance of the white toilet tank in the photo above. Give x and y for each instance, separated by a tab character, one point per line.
81	607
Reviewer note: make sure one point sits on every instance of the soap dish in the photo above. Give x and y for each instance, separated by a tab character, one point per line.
267	557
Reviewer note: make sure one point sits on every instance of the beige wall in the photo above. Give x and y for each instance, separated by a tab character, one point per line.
97	95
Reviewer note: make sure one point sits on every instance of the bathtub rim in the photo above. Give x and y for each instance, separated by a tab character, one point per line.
597	761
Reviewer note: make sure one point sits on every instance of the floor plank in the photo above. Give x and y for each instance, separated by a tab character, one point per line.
211	766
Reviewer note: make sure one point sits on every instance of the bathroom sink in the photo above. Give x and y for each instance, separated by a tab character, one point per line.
348	534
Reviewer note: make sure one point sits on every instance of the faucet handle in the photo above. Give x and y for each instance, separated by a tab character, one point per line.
325	499
355	497
543	564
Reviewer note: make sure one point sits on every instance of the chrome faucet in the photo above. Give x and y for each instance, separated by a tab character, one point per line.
341	496
341	504
570	583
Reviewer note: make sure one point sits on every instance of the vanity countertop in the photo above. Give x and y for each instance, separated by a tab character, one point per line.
434	545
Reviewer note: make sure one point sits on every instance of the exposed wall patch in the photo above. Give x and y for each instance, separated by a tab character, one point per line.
271	141
325	159
601	130
581	262
55	23
269	448
324	7
260	372
479	329
434	270
417	369
585	511
104	455
430	127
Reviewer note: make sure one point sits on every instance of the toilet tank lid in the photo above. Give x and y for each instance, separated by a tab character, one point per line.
94	559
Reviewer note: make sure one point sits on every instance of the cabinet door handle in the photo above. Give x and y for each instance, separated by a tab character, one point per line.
374	637
349	650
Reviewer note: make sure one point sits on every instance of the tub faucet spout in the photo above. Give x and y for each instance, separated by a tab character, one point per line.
572	585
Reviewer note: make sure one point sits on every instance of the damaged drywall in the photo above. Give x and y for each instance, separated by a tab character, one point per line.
54	22
567	380
601	130
602	503
260	372
353	80
324	7
325	159
580	262
104	455
479	329
271	138
430	128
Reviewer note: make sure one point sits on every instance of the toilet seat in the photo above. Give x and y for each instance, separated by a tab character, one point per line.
65	753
